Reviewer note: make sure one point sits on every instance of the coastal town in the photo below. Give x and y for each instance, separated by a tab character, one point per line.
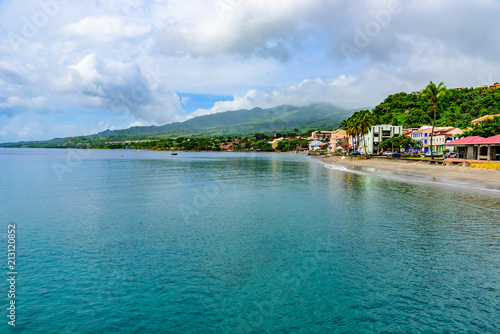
379	140
436	124
387	140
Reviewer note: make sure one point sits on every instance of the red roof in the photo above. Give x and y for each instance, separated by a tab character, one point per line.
489	140
476	140
466	141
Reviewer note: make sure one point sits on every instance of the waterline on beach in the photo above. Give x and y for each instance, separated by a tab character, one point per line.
413	178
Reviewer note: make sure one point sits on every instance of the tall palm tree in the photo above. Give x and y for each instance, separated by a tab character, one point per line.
365	122
359	124
351	127
433	94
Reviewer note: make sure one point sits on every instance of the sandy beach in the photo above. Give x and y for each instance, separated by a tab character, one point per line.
466	174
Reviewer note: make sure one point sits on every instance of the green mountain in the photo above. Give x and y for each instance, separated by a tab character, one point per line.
242	122
239	122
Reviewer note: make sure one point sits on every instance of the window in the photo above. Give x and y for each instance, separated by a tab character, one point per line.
426	134
425	141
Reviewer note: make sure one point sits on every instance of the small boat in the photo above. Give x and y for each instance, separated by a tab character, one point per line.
173	153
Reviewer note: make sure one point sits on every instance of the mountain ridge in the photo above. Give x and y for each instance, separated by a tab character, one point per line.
245	121
321	116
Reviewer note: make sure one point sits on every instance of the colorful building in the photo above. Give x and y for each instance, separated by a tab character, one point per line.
321	135
441	137
484	118
478	148
339	140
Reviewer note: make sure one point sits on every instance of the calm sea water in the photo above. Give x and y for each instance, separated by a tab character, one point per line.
146	242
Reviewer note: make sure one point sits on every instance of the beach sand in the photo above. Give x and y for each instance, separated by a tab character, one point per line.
489	178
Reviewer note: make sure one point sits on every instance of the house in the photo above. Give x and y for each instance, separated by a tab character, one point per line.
478	148
321	135
275	142
422	135
228	147
484	118
444	136
441	136
339	138
488	86
316	145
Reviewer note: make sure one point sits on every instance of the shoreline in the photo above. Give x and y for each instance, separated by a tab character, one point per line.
484	177
473	176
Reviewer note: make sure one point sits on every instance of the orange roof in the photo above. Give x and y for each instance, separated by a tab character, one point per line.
480	119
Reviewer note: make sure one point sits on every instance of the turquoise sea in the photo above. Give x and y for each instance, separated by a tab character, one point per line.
121	241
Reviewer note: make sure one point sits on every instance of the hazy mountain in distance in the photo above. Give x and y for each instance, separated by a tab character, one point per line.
281	118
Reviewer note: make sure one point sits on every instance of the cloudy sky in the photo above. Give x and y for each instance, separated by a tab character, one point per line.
78	67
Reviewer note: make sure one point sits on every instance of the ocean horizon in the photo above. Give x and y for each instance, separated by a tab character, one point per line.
142	241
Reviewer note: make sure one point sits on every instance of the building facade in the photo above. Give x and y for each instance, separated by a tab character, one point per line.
478	148
339	139
441	137
377	134
321	135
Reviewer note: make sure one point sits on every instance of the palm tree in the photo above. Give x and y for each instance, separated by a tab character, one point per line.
433	94
351	127
365	122
359	124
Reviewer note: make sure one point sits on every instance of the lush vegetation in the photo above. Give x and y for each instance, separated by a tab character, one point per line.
487	128
257	142
399	142
456	109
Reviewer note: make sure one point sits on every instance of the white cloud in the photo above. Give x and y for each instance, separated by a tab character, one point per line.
130	57
268	29
247	101
13	102
105	29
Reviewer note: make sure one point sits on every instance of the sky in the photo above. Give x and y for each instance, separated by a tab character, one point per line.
71	68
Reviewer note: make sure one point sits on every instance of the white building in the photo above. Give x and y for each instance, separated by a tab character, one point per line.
377	134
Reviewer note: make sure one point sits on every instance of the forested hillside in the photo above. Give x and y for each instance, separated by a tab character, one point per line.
457	109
